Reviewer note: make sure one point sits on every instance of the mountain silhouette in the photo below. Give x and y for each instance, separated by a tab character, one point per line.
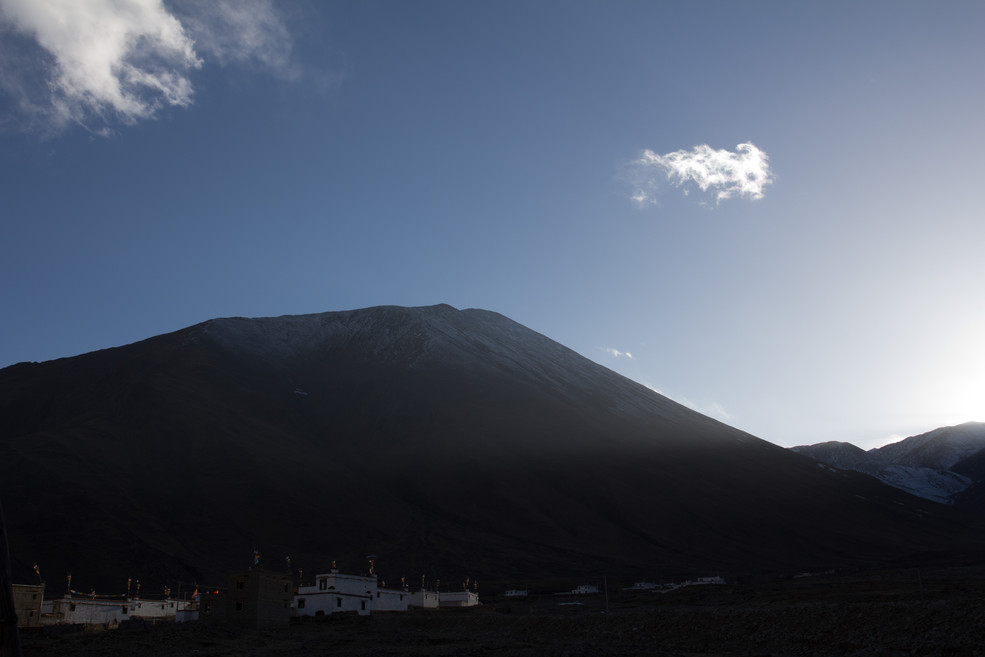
448	443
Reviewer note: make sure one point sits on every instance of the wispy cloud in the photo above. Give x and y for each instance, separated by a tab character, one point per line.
616	353
711	409
248	32
107	62
742	173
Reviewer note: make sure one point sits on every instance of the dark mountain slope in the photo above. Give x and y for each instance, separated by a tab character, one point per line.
448	443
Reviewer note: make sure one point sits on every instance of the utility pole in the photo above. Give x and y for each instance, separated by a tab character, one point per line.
10	643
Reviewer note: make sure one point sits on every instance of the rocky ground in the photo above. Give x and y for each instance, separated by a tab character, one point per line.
901	613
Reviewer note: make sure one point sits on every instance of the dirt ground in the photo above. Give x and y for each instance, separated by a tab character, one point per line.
902	613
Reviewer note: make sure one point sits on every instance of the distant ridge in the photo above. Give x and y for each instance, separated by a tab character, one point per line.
939	465
447	442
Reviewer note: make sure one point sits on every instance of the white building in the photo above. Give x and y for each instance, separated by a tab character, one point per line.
585	589
334	592
515	593
109	612
704	581
458	599
391	600
85	611
643	586
167	609
424	599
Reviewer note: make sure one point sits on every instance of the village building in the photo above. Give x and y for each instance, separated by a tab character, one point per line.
334	592
109	611
391	600
256	599
424	599
28	599
643	586
163	610
516	593
458	599
585	589
93	611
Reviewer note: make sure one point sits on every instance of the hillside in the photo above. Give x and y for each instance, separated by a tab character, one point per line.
448	443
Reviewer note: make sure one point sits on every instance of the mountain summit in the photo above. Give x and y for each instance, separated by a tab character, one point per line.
448	443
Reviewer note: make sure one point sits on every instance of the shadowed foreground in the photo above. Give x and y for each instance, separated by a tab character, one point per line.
906	613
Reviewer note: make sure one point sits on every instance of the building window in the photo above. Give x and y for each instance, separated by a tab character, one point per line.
362	605
338	602
300	603
377	594
285	588
239	605
322	584
123	608
239	585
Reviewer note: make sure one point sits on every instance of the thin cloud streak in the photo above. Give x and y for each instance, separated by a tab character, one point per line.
616	353
249	32
742	173
712	409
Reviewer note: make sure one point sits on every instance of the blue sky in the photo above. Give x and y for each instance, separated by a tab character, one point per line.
164	164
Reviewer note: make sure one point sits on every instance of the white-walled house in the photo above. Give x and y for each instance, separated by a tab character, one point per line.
585	589
70	610
167	609
391	600
153	609
458	599
424	599
334	592
73	610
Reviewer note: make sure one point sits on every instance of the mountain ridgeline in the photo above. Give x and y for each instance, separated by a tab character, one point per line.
946	465
447	443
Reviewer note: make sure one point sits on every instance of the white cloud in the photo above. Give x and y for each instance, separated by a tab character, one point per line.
119	61
616	353
744	172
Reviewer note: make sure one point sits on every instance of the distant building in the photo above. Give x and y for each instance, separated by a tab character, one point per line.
334	592
391	600
255	598
424	599
93	611
28	599
458	599
643	586
515	593
585	589
163	610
